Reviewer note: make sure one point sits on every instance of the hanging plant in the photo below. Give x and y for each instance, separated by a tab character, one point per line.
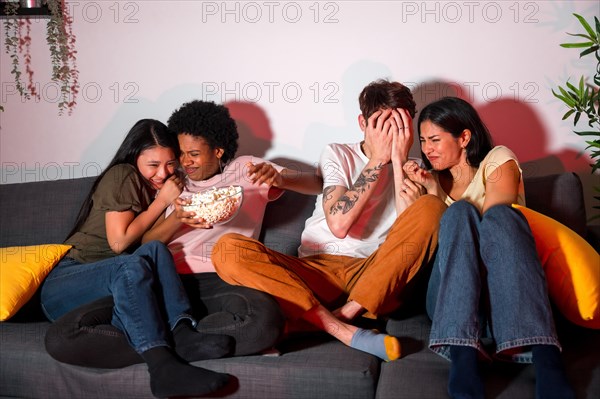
61	41
11	44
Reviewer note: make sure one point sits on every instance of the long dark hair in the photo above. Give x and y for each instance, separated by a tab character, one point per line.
454	115
146	133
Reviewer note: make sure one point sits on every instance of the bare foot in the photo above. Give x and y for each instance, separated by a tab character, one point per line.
349	311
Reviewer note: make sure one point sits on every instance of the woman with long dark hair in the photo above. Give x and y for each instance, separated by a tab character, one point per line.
487	280
106	258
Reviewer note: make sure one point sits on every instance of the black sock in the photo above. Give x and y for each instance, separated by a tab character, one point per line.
465	380
192	345
169	376
550	379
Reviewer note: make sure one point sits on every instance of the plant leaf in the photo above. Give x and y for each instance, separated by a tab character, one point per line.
569	113
581	35
585	24
589	51
577	45
571	86
587	133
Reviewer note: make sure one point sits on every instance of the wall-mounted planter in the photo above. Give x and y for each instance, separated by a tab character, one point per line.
27	8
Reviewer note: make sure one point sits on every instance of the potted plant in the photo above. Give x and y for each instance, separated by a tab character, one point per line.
583	99
61	41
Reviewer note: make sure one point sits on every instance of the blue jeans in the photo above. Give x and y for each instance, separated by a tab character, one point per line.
487	272
147	292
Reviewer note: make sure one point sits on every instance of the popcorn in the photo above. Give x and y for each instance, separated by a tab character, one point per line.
216	205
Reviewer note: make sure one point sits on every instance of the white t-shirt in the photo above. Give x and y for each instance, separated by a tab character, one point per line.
475	192
192	248
341	165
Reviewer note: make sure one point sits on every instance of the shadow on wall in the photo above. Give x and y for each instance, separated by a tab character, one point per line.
256	136
253	126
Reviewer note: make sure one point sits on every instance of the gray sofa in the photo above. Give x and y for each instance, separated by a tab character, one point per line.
310	366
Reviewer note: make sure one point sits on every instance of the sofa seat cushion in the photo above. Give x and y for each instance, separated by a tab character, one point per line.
421	373
308	368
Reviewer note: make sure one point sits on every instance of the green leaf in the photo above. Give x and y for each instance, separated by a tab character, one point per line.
587	133
567	100
581	35
569	113
577	45
589	51
585	24
577	116
571	86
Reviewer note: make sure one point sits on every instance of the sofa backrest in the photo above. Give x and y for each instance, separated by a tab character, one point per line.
40	212
44	212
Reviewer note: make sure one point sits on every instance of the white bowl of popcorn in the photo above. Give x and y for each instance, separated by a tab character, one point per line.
216	205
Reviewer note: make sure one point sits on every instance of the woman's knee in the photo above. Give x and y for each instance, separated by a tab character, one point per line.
133	268
458	214
155	249
503	218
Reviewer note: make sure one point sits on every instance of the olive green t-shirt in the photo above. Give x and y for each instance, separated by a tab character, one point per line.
121	189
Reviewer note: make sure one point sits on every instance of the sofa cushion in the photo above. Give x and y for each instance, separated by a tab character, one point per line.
40	212
22	270
421	373
572	268
311	368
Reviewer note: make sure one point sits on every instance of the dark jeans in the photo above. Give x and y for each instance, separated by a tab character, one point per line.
149	299
488	261
84	336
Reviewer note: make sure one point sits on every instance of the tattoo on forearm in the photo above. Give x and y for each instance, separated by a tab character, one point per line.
327	192
347	202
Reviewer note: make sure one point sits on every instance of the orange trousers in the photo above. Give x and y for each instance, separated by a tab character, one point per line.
298	284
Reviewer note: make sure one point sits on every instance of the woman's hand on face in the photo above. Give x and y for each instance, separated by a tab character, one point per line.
170	190
189	218
264	173
419	175
411	191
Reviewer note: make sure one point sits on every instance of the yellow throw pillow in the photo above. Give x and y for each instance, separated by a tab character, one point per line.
572	268
22	270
